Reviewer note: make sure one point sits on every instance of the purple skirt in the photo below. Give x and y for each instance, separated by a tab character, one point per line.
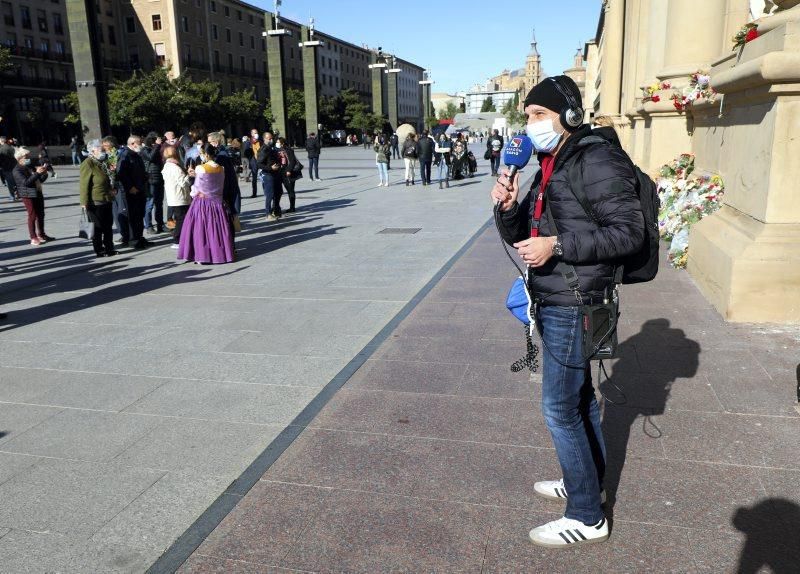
206	234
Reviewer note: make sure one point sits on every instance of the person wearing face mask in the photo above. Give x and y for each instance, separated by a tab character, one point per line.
545	235
28	181
132	176
289	165
96	197
269	171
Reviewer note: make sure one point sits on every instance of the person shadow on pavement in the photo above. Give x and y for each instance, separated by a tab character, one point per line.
639	385
771	527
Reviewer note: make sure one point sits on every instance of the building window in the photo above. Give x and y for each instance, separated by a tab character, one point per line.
216	58
250	19
28	42
241	39
253	66
60	48
214	34
130	25
134	58
199	28
161	54
156	22
8	13
239	15
230	63
241	64
112	36
44	46
185	24
201	57
252	42
212	6
58	25
100	33
25	14
227	11
228	35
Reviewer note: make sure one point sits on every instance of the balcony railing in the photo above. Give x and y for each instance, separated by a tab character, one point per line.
23	52
20	80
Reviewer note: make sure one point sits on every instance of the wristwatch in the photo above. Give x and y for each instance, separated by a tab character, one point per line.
558	249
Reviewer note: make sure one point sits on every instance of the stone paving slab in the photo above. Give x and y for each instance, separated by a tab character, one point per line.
424	461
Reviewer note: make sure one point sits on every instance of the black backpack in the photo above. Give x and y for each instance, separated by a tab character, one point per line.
641	266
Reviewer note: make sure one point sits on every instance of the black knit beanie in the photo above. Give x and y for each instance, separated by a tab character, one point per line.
547	95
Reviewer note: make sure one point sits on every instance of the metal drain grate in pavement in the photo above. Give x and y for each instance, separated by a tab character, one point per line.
400	230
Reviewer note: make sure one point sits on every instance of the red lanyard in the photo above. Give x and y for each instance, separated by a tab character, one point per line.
548	163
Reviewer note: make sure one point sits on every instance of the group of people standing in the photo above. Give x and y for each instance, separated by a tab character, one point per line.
273	162
128	185
450	157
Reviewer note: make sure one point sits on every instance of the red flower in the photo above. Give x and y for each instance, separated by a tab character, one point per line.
656	98
678	105
752	34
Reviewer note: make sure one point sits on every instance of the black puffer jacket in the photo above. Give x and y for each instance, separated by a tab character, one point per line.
609	183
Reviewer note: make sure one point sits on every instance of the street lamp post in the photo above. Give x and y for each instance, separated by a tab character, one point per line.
308	46
277	85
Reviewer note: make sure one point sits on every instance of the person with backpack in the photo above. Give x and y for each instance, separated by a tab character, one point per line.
410	158
313	147
573	255
494	147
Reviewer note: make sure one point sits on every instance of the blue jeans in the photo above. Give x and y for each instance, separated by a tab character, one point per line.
268	185
156	200
443	170
76	158
496	164
571	413
383	172
313	167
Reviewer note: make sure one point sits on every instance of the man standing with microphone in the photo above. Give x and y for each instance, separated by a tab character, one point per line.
551	230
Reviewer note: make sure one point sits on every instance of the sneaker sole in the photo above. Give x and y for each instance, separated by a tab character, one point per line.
562	545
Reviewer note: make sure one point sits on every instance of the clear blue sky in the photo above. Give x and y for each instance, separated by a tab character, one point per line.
461	42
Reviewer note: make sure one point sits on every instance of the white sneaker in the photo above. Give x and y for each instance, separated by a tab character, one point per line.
554	490
271	217
567	532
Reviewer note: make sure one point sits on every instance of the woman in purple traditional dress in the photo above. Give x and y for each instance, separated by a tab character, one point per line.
206	236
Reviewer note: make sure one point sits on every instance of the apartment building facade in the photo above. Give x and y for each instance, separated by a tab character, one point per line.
221	40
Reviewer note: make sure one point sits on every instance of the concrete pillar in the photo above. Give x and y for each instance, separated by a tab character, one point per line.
377	86
694	37
613	44
88	64
277	84
391	89
656	39
310	80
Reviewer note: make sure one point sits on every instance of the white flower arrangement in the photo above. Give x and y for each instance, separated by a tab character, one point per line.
685	200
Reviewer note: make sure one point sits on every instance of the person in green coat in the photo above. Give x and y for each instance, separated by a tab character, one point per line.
97	196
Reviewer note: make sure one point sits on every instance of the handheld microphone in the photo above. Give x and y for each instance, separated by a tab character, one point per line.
517	154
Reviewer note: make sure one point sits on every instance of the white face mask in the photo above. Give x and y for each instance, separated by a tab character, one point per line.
278	145
545	139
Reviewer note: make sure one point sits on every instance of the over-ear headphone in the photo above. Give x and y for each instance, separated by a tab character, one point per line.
571	116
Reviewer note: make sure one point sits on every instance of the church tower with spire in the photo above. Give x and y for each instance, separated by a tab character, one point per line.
533	68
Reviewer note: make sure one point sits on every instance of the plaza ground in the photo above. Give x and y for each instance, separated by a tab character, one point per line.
355	373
